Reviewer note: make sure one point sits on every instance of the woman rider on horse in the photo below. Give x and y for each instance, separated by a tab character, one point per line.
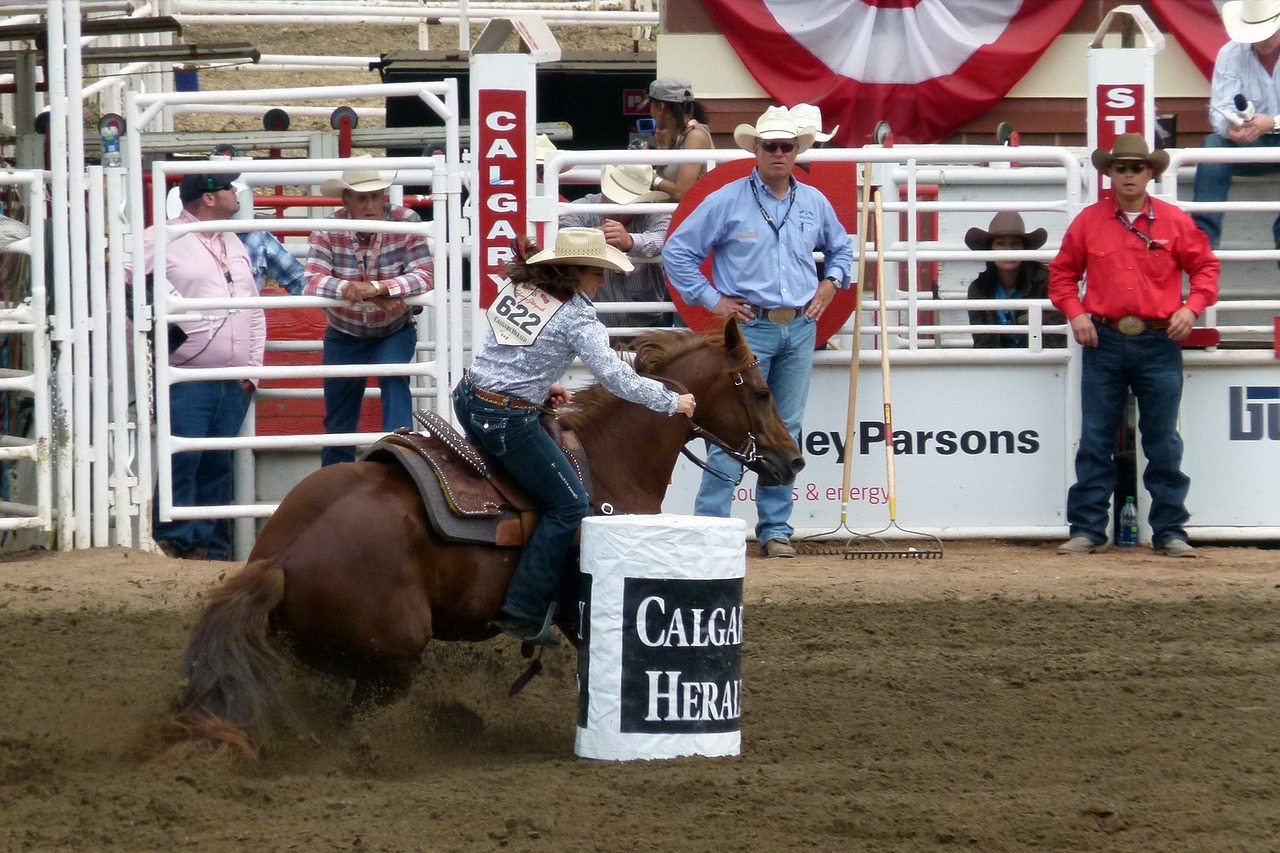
541	320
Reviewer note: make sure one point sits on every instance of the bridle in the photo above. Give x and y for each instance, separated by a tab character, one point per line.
746	454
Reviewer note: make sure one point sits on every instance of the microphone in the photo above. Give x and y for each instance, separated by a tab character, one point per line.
1244	107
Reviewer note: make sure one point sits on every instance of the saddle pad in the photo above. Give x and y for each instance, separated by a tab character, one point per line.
491	524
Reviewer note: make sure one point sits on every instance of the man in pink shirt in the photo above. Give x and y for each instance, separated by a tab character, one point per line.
208	264
1133	251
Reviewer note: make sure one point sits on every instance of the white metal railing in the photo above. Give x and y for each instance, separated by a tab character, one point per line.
27	321
433	376
893	167
1179	157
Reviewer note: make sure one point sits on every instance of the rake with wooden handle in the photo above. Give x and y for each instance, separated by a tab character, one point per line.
907	543
815	544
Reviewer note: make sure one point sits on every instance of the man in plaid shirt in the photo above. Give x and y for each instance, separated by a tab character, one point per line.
372	273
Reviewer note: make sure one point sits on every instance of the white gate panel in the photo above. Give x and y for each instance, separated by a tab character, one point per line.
30	456
1230	425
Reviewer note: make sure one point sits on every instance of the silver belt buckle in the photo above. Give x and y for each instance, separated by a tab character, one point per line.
1131	325
781	316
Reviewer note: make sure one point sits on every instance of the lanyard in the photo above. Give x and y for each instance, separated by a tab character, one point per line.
1152	245
777	228
1005	317
217	246
367	259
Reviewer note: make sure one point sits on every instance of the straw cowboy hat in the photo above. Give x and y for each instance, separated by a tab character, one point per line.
775	123
356	180
808	116
1131	146
582	247
1006	223
1251	21
629	184
542	146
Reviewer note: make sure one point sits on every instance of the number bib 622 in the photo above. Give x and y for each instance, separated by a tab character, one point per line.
520	313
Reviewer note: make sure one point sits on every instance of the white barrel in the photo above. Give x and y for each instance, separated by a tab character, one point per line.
659	666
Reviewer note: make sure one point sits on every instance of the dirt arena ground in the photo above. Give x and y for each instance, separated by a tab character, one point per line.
1001	698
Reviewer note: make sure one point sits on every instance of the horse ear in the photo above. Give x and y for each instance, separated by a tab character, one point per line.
732	336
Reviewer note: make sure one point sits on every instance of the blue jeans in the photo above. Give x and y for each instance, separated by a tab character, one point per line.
1151	365
786	360
343	397
1213	182
516	439
203	477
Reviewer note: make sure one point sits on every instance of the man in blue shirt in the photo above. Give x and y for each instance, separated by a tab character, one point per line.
1246	66
763	230
273	261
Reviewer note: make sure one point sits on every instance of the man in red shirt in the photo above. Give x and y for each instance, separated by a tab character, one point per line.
1132	251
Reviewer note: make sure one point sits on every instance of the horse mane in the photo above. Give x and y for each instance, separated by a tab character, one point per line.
651	353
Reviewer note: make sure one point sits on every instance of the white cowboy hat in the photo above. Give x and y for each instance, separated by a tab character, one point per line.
629	184
542	146
775	123
808	116
1251	21
582	247
356	180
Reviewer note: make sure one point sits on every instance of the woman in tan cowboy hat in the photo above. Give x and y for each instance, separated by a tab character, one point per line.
541	321
1009	278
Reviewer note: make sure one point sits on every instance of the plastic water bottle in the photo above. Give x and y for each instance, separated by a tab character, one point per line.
111	158
1128	525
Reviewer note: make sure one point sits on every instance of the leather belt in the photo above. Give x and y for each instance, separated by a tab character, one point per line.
779	316
1130	325
498	399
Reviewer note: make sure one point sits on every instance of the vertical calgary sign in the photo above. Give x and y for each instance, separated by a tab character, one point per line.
502	189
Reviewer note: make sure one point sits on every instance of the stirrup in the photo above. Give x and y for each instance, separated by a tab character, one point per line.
544	636
529	633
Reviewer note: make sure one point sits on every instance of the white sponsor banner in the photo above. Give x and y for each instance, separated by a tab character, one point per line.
976	446
1230	427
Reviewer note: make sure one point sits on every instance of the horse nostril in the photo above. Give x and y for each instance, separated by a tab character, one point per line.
797	465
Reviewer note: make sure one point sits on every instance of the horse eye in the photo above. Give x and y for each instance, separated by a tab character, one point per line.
763	395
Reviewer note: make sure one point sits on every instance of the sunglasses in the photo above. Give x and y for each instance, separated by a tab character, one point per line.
1128	168
784	147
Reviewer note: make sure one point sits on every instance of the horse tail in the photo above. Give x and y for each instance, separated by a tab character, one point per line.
229	696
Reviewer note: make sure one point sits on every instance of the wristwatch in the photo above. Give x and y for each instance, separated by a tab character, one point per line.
835	281
1275	124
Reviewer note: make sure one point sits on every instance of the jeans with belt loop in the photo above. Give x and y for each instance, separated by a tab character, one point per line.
1150	364
1213	183
343	396
786	360
515	438
202	477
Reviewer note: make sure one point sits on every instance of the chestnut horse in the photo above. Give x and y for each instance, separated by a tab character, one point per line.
349	573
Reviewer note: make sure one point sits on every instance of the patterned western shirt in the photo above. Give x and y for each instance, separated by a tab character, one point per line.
400	263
